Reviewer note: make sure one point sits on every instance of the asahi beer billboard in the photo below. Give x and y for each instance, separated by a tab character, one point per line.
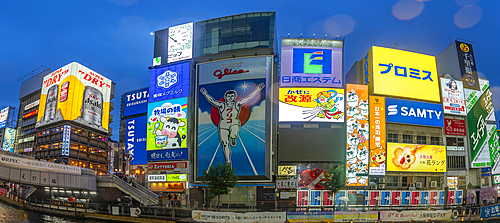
453	97
232	115
77	93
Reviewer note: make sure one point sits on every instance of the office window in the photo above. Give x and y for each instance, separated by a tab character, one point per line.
435	140
421	139
456	162
391	137
407	138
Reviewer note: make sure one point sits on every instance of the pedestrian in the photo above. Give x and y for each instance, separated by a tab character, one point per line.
176	200
169	200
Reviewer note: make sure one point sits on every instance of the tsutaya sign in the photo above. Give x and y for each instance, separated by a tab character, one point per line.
413	112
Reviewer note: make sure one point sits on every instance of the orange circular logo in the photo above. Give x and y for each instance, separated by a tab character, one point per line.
464	47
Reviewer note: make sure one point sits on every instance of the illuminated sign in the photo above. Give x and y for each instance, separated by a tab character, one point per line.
377	135
88	97
167	154
167	124
311	105
66	140
232	111
136	102
474	96
9	139
402	73
497	179
135	139
168	82
30	114
452	182
416	158
167	166
4	115
453	97
311	63
176	177
414	112
157	178
357	135
180	43
32	104
467	64
454	127
157	61
287	170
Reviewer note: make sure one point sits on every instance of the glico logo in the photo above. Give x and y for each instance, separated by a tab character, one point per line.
406	72
168	79
312	61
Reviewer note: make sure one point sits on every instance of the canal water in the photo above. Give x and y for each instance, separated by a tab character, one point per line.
11	214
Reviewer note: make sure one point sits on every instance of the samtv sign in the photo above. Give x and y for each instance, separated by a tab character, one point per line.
77	93
401	73
413	112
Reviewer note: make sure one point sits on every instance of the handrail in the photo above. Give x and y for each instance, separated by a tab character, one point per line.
145	198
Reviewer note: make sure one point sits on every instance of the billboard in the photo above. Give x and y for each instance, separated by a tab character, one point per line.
167	124
88	95
169	82
474	96
454	127
467	62
180	42
32	104
414	112
136	102
9	139
232	115
377	135
311	63
311	105
416	158
453	97
4	115
358	138
135	138
401	73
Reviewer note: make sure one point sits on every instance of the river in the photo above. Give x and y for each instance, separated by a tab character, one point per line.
11	214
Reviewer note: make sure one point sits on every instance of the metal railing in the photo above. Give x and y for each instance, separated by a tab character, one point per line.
135	192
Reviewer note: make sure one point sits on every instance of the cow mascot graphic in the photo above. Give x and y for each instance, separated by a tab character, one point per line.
170	130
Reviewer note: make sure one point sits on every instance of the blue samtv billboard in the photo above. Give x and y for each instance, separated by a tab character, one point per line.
414	112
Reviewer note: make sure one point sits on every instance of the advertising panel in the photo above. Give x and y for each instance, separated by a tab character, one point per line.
135	137
232	114
414	215
88	96
180	42
9	139
454	127
32	104
169	82
157	178
497	179
311	63
414	112
311	105
358	138
287	170
66	140
494	148
248	217
453	96
176	177
404	74
30	114
24	163
467	64
356	216
377	135
4	115
490	211
167	166
484	96
416	158
287	182
136	102
167	154
167	124
313	216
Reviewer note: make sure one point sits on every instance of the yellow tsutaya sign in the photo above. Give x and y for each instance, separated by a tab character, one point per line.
403	74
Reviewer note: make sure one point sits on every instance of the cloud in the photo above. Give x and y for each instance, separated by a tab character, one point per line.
259	111
203	117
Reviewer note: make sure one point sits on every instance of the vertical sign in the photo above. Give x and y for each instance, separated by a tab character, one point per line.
357	135
66	139
4	114
9	139
467	64
453	97
377	135
180	42
136	139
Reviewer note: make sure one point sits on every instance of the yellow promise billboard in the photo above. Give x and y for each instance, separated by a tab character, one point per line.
77	93
416	158
401	73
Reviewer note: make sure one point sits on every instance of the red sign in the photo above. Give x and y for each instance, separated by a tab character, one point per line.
64	91
454	127
33	113
167	166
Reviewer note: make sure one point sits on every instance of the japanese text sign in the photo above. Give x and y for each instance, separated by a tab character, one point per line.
414	112
467	64
311	105
454	127
453	97
169	82
377	135
416	158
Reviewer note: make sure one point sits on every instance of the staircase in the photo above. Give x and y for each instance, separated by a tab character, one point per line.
139	193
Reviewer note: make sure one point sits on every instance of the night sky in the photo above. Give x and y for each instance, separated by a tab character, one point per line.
114	38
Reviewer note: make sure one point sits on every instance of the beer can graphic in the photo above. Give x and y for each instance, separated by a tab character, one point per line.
92	106
51	104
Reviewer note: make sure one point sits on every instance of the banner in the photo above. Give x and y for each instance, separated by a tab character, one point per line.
356	216
32	164
416	158
250	217
467	63
415	215
312	105
453	96
313	216
377	135
490	211
358	137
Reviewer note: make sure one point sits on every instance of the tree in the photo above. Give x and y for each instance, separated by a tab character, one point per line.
219	179
337	178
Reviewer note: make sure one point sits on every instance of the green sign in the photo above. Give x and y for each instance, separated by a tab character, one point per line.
478	133
176	177
493	143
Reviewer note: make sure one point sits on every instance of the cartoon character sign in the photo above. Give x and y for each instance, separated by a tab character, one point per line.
378	157
311	105
311	178
357	135
167	124
416	158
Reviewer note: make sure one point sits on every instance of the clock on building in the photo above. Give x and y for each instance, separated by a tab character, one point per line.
180	42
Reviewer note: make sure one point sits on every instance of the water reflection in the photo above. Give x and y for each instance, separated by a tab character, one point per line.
11	214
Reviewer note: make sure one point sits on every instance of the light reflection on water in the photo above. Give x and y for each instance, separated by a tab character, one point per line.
11	214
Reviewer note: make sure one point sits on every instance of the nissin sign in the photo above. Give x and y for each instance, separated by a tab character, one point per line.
413	112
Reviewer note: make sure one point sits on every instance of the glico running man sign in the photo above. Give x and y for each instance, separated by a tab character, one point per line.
75	93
